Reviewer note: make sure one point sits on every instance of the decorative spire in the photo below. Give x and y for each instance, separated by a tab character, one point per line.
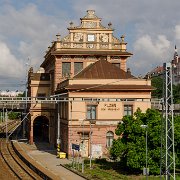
71	24
122	38
90	15
110	24
58	37
175	54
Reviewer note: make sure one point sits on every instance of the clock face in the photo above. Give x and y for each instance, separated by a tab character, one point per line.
91	37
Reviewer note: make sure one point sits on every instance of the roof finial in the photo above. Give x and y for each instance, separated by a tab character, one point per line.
122	38
71	24
110	24
58	37
175	54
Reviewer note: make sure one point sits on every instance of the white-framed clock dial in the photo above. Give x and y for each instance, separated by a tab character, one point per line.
90	37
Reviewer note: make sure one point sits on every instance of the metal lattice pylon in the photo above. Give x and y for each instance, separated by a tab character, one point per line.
167	171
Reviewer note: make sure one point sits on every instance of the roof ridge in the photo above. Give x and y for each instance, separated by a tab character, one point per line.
103	69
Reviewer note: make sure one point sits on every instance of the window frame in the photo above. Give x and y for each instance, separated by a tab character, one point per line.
89	116
66	74
128	108
76	72
109	138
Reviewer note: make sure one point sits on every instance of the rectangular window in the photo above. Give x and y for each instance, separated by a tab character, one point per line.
66	69
128	110
109	138
91	111
78	66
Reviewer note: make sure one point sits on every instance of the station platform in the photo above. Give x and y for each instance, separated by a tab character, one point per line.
42	155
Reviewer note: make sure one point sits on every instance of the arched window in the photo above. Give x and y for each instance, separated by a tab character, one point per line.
109	138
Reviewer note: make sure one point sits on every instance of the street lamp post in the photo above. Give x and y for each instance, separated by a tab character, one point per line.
6	118
58	132
145	127
90	145
82	144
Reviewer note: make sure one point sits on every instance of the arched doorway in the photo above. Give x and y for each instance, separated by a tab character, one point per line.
41	129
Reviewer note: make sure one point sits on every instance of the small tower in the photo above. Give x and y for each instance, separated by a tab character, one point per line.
175	56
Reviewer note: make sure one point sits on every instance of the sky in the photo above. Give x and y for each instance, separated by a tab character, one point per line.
27	28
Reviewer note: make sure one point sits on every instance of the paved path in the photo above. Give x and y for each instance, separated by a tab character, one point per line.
45	155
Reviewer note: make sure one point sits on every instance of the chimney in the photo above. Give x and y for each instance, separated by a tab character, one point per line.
129	71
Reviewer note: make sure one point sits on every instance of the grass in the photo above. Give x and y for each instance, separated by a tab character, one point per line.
104	170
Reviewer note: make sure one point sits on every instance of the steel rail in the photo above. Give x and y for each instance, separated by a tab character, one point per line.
12	161
35	100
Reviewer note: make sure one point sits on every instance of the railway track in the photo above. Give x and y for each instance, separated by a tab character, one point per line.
11	166
10	126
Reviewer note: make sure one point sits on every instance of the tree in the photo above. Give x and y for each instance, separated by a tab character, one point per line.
177	140
13	115
22	95
176	93
130	147
157	83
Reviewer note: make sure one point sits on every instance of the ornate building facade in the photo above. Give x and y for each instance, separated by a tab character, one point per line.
89	65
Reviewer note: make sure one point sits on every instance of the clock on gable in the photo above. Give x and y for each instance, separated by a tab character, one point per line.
91	37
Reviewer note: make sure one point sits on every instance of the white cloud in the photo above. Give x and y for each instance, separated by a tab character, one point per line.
31	28
152	28
177	32
150	52
9	65
156	48
25	33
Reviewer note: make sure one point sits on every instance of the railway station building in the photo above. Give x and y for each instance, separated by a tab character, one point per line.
87	66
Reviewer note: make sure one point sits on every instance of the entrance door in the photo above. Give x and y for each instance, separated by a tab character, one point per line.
41	129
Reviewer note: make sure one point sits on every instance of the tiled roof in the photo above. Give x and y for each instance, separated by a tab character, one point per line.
108	87
103	69
90	52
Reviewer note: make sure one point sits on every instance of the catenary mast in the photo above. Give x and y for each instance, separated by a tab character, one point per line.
167	171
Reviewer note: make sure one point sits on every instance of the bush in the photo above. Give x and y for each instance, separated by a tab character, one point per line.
13	115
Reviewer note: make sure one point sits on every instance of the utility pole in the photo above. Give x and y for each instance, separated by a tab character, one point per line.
167	169
90	145
25	107
3	114
6	118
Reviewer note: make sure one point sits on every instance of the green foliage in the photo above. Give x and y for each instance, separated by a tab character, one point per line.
21	95
157	83
130	147
177	140
13	115
176	94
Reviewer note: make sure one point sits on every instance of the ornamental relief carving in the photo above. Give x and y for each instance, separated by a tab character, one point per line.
78	45
67	38
104	37
66	57
90	46
78	57
66	45
78	37
104	46
116	46
90	24
115	40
